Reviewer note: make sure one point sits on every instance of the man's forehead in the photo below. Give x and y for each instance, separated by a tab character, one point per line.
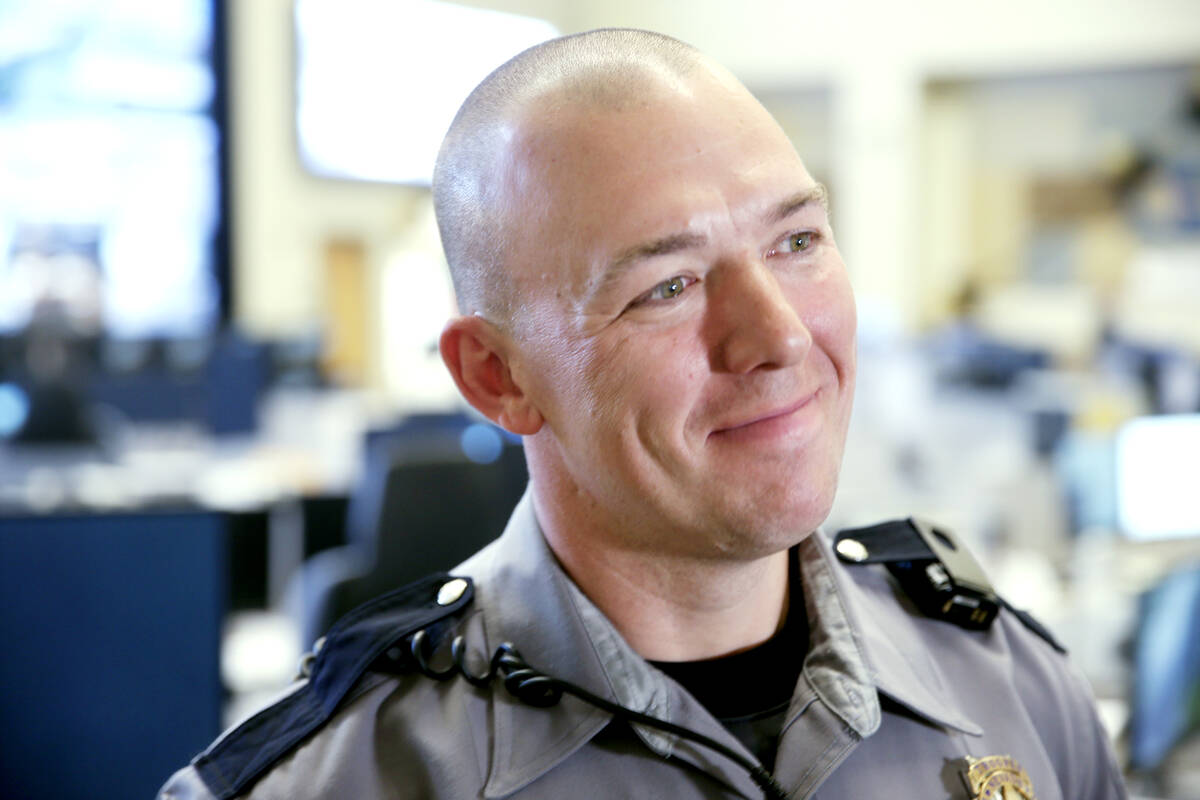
663	124
608	185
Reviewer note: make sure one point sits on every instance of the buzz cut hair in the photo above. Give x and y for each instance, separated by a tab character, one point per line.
602	68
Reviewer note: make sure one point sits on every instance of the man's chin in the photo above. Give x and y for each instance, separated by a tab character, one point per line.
759	530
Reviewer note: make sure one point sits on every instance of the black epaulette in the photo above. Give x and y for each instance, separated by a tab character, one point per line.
236	760
936	570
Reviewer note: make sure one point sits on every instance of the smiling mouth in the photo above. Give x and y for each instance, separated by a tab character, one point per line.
777	420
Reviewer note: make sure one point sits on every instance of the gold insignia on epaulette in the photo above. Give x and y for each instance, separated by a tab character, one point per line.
997	778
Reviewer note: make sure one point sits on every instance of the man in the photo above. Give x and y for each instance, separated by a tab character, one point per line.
652	296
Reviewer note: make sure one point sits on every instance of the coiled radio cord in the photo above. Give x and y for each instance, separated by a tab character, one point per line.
541	690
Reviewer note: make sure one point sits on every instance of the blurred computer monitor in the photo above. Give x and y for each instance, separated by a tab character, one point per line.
1157	473
112	163
1166	686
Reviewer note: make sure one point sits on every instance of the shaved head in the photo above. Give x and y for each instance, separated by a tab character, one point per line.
651	296
476	170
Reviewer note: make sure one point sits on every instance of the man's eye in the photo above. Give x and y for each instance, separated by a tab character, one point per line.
667	290
797	242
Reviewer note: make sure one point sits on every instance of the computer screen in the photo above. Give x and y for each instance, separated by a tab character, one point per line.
111	165
1157	464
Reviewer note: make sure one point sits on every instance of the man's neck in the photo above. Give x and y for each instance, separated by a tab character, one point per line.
671	607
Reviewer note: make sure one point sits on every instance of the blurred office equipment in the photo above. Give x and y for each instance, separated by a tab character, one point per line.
964	354
64	390
114	259
1166	690
57	410
111	627
1157	305
435	490
214	382
1157	464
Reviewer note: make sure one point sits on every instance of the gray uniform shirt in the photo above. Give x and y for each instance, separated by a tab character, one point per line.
889	703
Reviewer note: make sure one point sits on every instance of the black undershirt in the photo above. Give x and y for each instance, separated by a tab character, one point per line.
749	692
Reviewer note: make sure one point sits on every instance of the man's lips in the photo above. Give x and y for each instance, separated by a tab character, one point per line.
777	417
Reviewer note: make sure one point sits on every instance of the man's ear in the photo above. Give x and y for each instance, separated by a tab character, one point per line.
475	353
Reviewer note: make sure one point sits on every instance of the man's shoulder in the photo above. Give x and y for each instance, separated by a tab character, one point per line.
934	573
917	590
994	662
363	676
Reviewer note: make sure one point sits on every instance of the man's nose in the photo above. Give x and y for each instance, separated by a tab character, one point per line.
754	324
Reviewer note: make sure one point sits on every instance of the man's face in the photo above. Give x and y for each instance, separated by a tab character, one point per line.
687	327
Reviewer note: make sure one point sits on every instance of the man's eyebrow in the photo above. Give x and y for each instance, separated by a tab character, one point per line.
817	193
674	243
630	256
658	247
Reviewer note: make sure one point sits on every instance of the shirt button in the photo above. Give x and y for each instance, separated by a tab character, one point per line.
852	550
451	590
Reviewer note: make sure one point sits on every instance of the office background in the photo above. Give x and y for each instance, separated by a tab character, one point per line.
223	418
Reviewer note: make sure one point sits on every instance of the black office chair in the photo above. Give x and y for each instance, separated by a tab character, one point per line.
423	506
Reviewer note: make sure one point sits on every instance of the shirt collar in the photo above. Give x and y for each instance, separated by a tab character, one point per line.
524	597
880	625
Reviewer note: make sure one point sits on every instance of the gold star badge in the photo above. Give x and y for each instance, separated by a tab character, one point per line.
997	778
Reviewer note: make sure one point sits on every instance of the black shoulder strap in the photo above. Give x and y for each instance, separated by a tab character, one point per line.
236	760
936	570
1029	621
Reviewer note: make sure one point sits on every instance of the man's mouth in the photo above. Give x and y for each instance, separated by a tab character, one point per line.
769	421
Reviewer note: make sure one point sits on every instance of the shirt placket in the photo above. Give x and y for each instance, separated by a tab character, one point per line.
814	742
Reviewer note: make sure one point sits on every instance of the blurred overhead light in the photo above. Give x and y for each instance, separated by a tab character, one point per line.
379	81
